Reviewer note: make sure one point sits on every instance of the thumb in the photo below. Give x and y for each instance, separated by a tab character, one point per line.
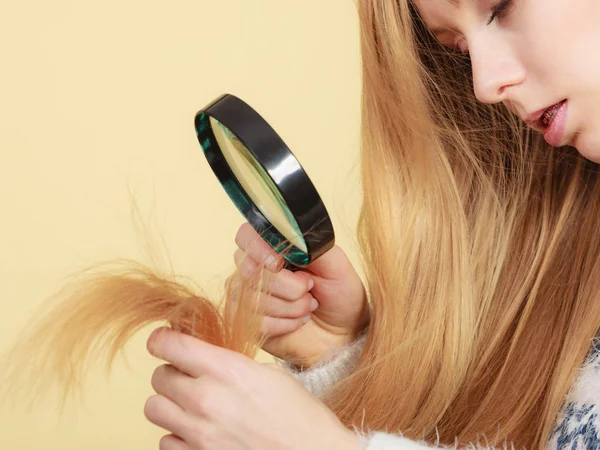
305	276
332	265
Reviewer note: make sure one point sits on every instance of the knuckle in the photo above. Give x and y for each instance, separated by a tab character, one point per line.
244	236
275	327
244	275
151	408
265	304
204	399
248	269
268	282
199	404
187	346
166	443
290	287
238	256
158	377
306	305
297	292
241	371
239	236
204	436
214	403
266	327
299	307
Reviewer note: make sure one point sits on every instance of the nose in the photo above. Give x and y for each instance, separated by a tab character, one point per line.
496	69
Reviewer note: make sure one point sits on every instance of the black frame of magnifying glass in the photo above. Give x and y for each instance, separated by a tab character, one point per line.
270	151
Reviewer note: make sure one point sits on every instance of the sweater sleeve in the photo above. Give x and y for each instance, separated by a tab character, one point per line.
577	429
385	441
337	366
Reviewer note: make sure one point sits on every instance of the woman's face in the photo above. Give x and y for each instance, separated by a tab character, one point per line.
541	58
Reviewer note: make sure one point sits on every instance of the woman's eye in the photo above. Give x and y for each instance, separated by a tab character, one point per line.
500	10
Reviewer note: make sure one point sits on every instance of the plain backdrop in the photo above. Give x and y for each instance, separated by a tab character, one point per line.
97	100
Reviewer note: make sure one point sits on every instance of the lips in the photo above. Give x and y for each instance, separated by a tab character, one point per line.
541	119
549	114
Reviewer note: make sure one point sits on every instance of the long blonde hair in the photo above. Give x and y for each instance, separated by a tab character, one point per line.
481	248
481	253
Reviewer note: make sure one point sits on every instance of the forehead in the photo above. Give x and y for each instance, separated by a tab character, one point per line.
438	15
436	4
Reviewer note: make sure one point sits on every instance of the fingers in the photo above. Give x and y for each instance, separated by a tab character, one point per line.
200	397
173	384
274	326
168	415
245	264
285	300
290	286
285	284
284	309
172	442
334	264
195	357
250	242
184	427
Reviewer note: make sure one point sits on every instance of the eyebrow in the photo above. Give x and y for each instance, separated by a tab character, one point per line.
439	30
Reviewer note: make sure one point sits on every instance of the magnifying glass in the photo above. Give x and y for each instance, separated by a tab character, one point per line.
264	180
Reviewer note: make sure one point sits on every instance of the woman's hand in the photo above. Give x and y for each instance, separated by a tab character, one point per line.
210	398
308	313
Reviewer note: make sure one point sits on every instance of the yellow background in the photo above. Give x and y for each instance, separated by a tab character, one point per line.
97	99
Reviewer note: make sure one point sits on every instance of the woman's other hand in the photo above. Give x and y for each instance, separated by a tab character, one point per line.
308	313
210	398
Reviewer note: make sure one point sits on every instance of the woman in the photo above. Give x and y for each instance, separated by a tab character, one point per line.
481	250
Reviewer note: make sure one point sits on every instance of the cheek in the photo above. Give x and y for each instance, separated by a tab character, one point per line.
555	38
545	42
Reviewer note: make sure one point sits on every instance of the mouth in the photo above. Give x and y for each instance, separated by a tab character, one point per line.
549	114
550	121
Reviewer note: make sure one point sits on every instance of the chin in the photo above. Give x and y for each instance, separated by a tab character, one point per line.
589	146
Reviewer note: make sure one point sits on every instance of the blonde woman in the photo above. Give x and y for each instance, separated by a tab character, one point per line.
480	232
479	317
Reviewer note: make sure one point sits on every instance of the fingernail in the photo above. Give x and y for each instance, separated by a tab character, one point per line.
314	304
311	283
305	319
154	336
271	262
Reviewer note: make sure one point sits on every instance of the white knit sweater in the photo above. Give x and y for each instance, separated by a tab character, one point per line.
577	426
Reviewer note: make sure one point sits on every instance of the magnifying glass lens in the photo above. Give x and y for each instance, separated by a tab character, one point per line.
258	184
264	180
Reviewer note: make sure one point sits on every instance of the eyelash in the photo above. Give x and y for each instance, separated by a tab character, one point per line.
500	10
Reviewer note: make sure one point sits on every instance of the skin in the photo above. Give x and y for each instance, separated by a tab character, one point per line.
308	313
210	398
535	54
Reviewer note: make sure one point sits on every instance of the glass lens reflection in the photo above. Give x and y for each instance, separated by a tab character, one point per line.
258	184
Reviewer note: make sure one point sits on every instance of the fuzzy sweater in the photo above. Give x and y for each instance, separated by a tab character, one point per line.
577	426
